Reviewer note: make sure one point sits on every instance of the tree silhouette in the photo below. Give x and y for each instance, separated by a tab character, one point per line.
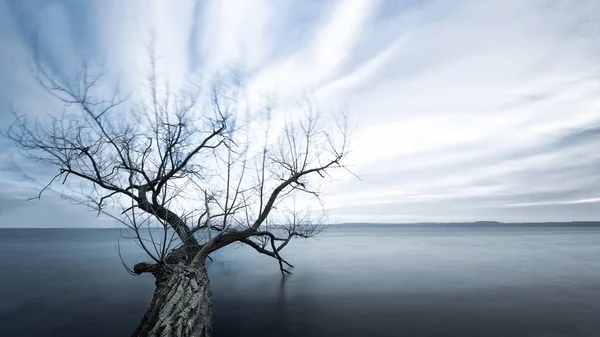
187	163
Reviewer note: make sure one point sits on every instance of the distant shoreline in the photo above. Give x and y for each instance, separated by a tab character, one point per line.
473	223
469	222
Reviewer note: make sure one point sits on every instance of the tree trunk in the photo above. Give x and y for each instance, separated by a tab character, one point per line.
181	305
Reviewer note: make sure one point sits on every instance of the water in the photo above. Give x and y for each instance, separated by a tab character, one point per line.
426	280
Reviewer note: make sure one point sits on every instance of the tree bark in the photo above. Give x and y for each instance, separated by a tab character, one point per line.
181	305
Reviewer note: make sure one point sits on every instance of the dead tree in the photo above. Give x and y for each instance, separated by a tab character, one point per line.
189	164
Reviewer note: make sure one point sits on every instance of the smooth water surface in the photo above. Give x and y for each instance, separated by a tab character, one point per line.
355	280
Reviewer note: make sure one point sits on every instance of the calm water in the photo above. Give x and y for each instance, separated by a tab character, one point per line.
354	281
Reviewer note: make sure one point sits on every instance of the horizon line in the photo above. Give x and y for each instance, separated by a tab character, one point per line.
596	222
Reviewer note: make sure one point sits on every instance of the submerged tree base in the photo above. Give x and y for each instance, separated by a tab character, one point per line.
182	302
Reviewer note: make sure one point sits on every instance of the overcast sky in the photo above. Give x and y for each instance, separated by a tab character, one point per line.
463	110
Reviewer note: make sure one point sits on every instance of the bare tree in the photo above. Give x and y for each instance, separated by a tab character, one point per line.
188	164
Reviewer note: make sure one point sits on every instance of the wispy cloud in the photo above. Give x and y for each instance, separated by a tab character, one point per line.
332	40
231	35
464	110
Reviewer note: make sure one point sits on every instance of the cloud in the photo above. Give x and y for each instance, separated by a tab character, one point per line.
332	40
231	35
464	110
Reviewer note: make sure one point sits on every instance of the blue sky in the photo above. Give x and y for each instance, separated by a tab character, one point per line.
463	110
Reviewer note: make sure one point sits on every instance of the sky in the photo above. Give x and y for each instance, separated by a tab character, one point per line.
461	110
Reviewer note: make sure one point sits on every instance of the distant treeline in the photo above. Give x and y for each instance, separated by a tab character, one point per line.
477	223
